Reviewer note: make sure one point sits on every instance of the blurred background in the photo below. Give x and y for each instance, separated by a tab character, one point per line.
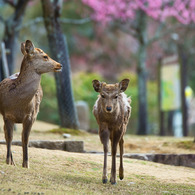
150	42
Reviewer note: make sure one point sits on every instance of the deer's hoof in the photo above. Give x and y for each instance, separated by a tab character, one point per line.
25	165
121	176
104	181
13	163
10	162
121	173
113	182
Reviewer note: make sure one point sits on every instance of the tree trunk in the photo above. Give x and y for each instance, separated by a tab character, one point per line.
59	51
12	31
160	111
183	76
141	71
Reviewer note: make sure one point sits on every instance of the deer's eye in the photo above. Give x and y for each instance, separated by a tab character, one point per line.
116	97
46	57
102	96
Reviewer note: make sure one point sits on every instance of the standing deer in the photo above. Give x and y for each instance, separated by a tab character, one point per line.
112	111
21	95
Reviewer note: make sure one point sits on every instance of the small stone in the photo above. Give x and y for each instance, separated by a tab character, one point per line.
66	135
131	183
2	172
165	192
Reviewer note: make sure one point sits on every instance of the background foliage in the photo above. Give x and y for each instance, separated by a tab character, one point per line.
83	90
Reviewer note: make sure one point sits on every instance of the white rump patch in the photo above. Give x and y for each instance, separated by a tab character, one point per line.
126	101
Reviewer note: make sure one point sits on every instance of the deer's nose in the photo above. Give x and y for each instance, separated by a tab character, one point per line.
108	108
58	67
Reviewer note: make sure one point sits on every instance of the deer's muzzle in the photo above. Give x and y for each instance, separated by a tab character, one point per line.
109	108
58	68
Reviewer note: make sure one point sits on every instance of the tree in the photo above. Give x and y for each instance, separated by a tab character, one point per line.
59	51
12	31
131	16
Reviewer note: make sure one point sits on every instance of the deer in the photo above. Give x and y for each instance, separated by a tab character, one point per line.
112	112
21	95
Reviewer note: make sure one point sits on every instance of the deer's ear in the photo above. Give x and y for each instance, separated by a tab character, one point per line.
96	85
123	85
23	48
29	47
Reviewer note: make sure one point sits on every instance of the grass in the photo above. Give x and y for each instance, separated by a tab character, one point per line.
68	131
57	172
186	145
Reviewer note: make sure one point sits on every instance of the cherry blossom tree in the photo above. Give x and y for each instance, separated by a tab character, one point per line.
126	10
131	17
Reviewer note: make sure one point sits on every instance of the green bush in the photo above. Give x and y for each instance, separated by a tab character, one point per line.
131	91
49	107
152	101
152	93
83	90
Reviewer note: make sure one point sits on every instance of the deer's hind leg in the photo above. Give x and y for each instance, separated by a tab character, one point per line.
121	169
8	129
27	125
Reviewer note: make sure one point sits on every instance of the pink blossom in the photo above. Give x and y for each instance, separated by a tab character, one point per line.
107	10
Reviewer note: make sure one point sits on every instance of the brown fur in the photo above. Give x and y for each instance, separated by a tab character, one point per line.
112	111
21	94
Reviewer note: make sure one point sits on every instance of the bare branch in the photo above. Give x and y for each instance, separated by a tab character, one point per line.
159	34
126	28
30	23
74	21
128	31
2	19
11	3
62	20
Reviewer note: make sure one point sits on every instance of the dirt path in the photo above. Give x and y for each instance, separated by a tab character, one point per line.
38	125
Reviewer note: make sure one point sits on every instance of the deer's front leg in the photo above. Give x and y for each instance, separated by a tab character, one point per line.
104	136
8	129
27	125
121	169
115	136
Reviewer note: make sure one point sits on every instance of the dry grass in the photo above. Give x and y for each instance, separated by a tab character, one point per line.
133	144
59	172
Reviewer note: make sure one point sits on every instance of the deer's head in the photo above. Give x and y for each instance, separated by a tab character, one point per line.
109	93
40	61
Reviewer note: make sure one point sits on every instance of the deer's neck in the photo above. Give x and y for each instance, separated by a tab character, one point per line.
28	81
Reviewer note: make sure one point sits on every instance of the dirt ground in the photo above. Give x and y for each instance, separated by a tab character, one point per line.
165	173
133	144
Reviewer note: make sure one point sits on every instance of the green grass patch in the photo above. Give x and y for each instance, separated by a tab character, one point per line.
69	131
186	145
127	161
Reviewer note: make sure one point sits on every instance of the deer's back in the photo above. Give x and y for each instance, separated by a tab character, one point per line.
12	104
